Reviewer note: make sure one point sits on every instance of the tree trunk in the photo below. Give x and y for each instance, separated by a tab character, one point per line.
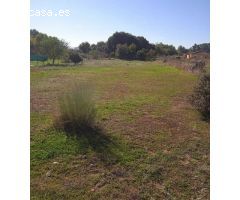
53	60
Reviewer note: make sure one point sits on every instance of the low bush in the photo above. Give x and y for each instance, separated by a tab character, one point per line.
201	96
75	58
77	110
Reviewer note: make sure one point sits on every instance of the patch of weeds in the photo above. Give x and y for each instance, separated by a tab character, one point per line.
39	122
154	173
47	146
161	137
124	106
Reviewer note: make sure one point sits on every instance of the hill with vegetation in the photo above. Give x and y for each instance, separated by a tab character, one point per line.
120	45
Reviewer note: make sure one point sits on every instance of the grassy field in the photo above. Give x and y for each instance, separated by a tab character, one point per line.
152	143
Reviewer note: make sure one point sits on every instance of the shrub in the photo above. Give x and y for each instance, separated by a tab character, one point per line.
132	48
84	47
165	49
181	50
77	110
75	58
201	96
122	51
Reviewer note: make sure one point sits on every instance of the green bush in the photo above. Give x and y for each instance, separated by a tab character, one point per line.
201	96
77	110
75	57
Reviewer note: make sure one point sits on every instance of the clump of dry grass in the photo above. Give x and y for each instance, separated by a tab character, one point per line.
77	109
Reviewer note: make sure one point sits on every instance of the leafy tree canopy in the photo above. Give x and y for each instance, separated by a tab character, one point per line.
126	38
85	47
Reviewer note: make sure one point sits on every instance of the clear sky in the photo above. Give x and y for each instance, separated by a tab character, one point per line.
177	22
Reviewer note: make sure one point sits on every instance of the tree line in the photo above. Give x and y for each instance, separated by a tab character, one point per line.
120	45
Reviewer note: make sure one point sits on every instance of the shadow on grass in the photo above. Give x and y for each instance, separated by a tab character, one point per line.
100	143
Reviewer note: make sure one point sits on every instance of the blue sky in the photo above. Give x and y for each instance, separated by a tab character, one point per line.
177	22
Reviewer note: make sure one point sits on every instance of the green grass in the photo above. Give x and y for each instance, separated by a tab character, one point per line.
151	143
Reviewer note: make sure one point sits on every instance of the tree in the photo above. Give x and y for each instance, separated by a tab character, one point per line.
170	50
141	54
195	47
93	47
126	38
84	47
53	47
132	48
75	57
35	40
101	46
151	54
165	49
94	54
142	43
98	50
160	49
122	51
181	50
204	47
33	32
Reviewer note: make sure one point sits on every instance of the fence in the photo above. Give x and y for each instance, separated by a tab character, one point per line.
36	57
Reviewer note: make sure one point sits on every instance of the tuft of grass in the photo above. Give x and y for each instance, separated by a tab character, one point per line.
77	109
